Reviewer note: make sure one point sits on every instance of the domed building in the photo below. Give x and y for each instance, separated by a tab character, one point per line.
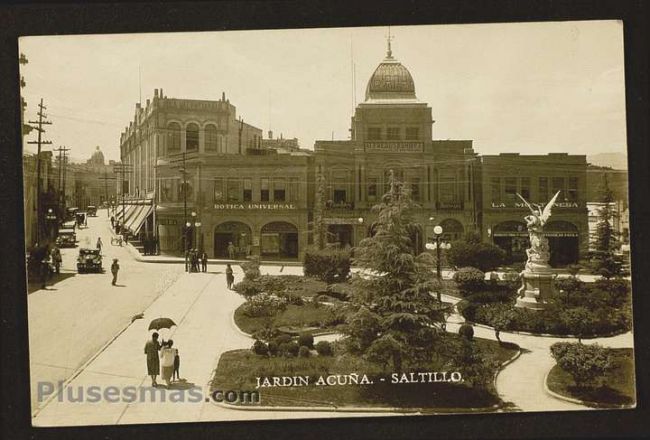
97	158
392	130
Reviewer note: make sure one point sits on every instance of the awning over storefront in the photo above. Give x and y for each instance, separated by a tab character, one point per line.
124	214
134	224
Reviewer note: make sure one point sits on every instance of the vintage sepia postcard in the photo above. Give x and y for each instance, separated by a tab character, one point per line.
323	223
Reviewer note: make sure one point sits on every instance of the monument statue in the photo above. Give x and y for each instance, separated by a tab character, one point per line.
537	276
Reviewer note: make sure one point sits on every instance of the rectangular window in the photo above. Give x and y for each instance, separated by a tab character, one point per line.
294	194
525	188
572	190
233	190
543	189
264	189
495	188
558	185
374	133
339	196
372	188
248	190
393	133
511	189
218	190
412	133
415	189
448	193
279	190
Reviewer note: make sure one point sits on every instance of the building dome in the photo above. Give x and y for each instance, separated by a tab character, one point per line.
391	80
97	157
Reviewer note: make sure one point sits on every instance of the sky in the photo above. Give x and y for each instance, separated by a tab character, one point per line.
531	88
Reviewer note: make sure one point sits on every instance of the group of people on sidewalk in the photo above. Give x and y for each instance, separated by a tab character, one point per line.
162	359
193	258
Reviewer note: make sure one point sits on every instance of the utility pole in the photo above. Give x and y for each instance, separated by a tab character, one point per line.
122	169
61	176
65	176
105	178
40	142
241	128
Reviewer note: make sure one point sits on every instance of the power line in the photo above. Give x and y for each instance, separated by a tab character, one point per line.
40	142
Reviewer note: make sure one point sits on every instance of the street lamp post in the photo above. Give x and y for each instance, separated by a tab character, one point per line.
437	230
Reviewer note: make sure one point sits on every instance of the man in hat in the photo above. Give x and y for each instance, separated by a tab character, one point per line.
115	268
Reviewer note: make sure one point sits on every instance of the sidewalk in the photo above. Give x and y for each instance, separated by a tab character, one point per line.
202	308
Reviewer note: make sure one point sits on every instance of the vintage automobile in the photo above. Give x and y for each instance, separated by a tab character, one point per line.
70	213
91	211
81	219
66	238
89	260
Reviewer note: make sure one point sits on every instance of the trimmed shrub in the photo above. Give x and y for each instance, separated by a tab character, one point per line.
484	256
469	280
466	331
263	305
289	349
330	265
587	364
273	348
306	339
304	352
282	338
247	288
251	269
324	348
260	348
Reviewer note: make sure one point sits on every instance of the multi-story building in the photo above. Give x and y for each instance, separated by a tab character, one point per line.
198	176
537	178
391	131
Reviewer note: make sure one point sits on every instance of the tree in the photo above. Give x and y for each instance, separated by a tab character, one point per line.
605	260
319	208
396	287
500	317
585	363
469	252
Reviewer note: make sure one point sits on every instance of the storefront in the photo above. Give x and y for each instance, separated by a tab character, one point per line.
512	237
279	240
564	243
237	233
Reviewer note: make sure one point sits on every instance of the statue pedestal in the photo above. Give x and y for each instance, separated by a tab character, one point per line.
535	288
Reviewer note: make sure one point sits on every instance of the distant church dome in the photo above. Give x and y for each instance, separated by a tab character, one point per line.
97	158
391	80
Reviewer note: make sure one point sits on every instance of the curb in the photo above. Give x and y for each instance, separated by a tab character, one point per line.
585	403
176	260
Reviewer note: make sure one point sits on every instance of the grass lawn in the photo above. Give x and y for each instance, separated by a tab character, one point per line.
239	370
617	386
306	315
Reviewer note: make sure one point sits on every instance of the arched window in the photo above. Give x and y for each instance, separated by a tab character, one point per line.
192	137
211	138
173	137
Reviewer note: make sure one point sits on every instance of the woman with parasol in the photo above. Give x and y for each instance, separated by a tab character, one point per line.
152	347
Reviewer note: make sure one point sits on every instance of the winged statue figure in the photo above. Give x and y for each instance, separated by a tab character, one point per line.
538	253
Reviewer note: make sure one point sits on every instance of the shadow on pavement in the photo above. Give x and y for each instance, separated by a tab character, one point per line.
33	285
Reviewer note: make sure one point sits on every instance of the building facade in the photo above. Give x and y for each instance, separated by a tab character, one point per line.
537	178
213	183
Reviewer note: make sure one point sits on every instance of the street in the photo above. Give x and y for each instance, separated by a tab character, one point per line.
72	319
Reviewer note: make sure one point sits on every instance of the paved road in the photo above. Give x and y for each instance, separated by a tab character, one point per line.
72	319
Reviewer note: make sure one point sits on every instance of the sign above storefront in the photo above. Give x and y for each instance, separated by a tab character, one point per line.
518	205
394	147
255	206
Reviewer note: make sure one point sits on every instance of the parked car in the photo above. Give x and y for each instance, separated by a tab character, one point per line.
80	217
91	211
70	213
66	238
89	260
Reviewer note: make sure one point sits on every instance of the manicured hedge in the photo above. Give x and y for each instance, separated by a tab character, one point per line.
330	265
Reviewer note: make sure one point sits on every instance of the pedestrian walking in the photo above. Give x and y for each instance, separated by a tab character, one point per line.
151	349
231	250
115	268
204	261
177	366
187	260
56	259
99	244
167	356
230	277
195	260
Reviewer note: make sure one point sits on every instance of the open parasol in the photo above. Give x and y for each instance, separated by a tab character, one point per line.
159	323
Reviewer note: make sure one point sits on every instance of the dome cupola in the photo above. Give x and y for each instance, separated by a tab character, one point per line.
390	80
